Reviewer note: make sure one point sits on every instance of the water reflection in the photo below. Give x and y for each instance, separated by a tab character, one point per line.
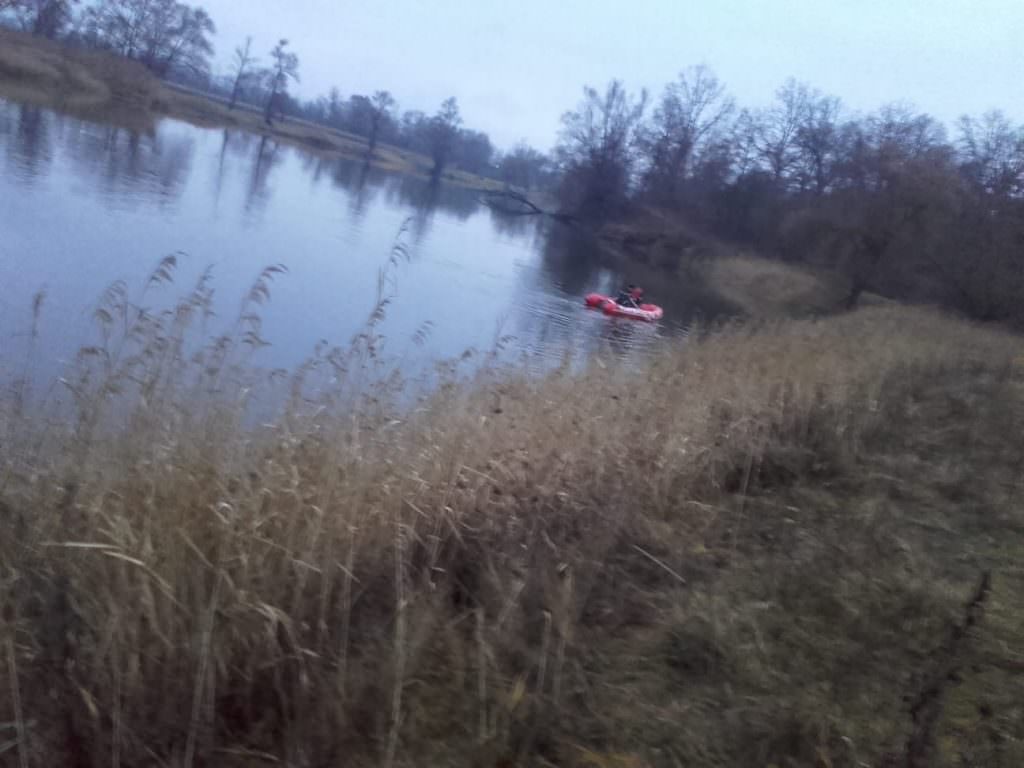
361	181
268	154
119	163
424	197
514	226
88	203
173	164
315	165
29	148
570	258
218	175
552	322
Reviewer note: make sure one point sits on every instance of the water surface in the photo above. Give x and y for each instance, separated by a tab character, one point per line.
83	204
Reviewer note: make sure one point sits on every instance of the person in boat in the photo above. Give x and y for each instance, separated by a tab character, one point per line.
630	297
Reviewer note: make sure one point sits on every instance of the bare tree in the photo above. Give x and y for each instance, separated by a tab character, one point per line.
165	35
357	114
118	25
818	142
188	43
771	134
444	132
334	108
523	167
474	152
46	18
691	111
382	104
992	153
414	131
284	69
597	149
244	64
980	258
884	221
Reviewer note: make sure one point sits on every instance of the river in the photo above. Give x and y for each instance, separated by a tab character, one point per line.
83	204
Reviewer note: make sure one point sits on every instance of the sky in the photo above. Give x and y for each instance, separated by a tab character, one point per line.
516	65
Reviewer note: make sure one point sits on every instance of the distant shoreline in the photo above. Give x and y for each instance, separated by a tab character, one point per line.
101	86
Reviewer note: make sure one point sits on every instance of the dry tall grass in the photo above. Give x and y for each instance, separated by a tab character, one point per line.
746	551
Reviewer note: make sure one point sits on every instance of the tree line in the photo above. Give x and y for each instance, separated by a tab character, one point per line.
892	199
175	41
164	35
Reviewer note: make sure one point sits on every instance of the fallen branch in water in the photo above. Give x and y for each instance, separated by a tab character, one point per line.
514	203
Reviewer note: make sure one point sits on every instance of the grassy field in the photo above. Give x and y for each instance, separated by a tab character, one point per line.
101	86
786	543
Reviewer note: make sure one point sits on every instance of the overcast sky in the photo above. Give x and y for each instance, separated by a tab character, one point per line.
517	65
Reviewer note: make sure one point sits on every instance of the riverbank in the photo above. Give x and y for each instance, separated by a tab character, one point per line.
198	109
100	86
652	246
84	83
754	549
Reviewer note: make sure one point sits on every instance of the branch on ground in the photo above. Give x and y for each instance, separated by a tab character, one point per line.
926	708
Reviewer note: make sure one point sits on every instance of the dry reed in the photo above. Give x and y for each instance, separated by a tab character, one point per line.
693	560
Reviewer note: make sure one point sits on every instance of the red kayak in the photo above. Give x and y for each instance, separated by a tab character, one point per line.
648	312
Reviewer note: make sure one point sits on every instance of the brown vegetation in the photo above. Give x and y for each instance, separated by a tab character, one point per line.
762	288
751	549
40	71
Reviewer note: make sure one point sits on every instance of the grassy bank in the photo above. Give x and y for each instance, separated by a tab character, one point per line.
84	83
200	110
100	86
650	243
756	549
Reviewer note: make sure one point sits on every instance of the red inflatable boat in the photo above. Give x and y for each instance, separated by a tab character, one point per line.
648	312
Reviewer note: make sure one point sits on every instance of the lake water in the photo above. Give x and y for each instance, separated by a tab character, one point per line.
83	204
